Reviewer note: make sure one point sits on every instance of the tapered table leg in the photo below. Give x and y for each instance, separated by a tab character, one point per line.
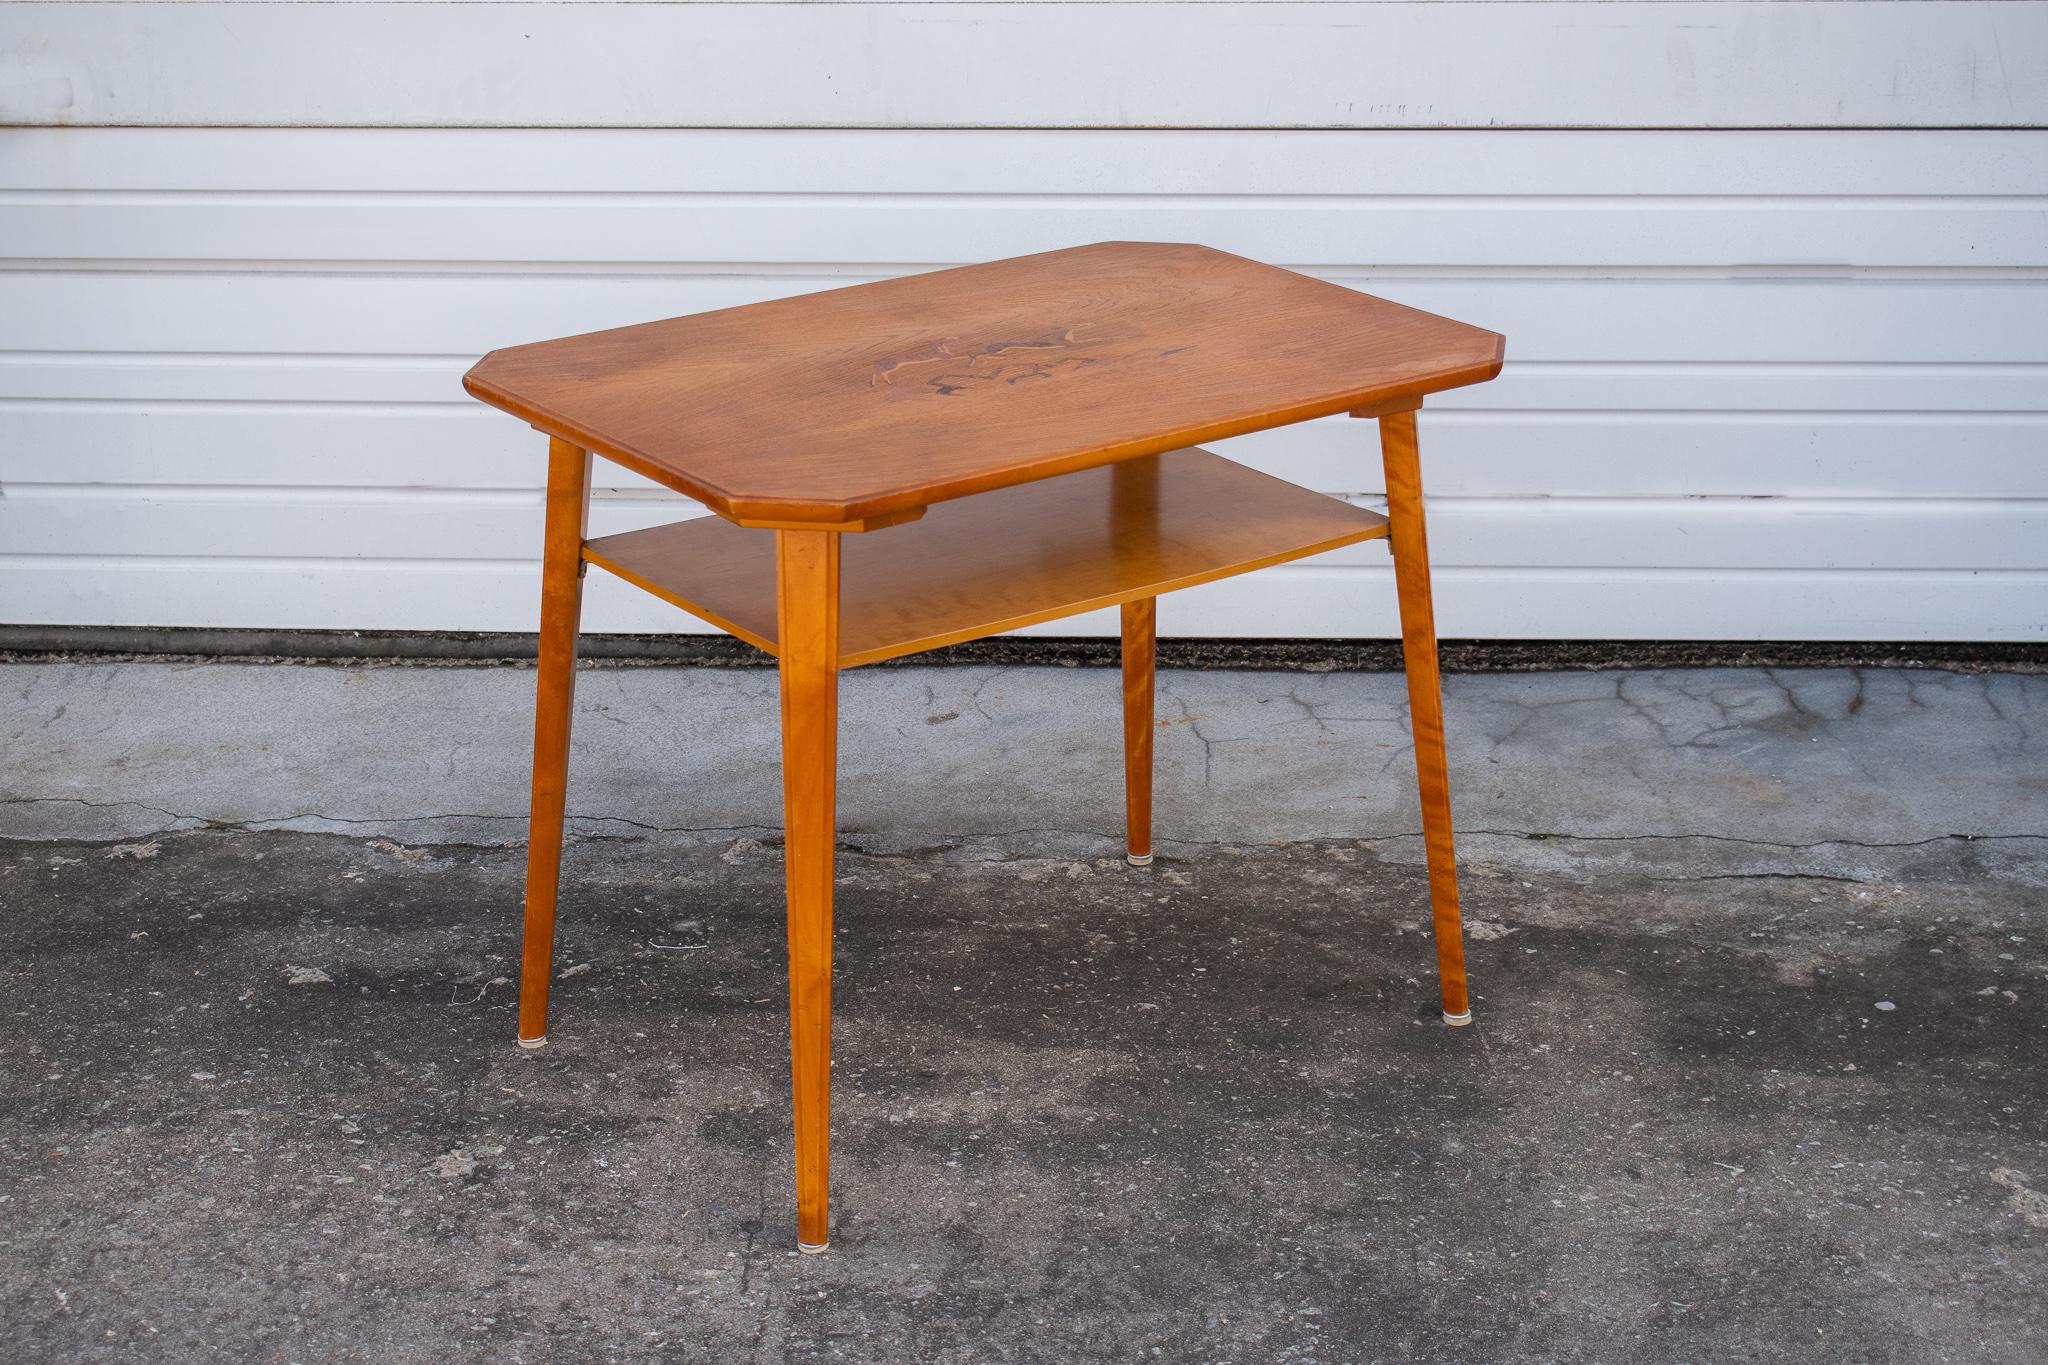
561	610
1425	701
807	614
1139	654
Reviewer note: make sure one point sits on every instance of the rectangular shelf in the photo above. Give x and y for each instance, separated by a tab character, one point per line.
1013	557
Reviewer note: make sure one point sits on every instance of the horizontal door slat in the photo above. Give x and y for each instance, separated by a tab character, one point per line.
439	322
1289	601
1220	65
1618	533
1467	452
535	165
825	231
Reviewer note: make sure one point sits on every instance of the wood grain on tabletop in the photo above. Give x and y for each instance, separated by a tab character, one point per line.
853	403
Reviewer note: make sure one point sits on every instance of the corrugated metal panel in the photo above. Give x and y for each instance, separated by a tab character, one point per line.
1333	64
1761	384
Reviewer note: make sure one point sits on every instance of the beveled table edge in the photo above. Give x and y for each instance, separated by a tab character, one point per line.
889	508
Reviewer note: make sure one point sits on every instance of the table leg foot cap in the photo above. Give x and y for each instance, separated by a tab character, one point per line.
1138	859
531	1043
807	1249
1458	1020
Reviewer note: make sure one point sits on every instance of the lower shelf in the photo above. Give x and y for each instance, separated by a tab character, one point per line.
990	563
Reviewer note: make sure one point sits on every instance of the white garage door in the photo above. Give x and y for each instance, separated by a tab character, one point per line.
1774	280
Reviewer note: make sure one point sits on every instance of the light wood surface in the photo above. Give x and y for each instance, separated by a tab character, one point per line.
1139	654
855	403
1008	558
1425	700
807	594
561	607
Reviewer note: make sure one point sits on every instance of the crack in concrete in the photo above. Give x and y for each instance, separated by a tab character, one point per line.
974	696
1194	725
100	805
1531	710
1765	877
1540	835
1699	738
2022	732
1792	698
1312	711
266	824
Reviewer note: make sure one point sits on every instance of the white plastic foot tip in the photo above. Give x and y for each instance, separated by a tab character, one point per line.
531	1043
1458	1020
807	1249
1138	859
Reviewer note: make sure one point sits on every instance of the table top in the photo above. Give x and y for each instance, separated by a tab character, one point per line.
877	400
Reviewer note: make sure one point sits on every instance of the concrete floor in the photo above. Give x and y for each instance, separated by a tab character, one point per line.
1758	960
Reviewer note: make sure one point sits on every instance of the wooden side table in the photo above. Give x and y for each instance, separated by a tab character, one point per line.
808	423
